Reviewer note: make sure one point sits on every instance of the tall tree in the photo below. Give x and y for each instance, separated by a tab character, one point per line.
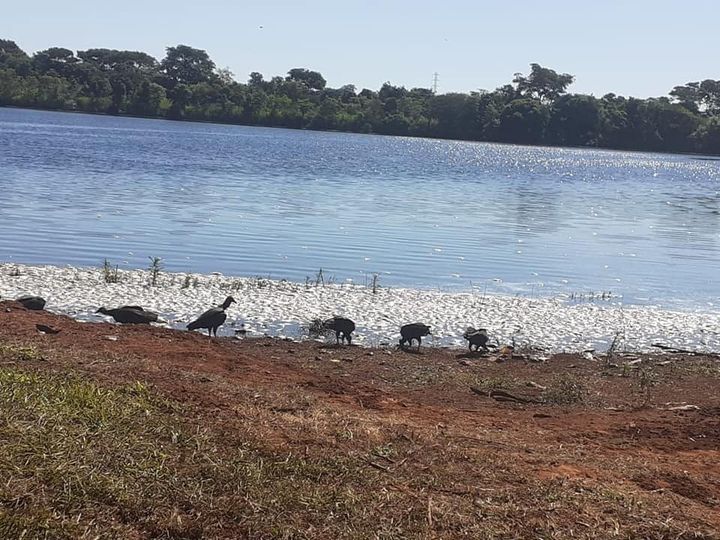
574	120
688	95
312	79
524	121
186	65
13	57
111	59
543	83
56	59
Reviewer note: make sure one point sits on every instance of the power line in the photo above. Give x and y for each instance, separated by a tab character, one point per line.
435	82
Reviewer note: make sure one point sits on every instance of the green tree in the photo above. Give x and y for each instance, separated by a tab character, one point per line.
186	84
149	100
708	136
574	120
710	95
688	95
389	91
490	106
455	115
225	76
312	79
185	65
111	59
543	83
524	121
13	57
181	98
57	59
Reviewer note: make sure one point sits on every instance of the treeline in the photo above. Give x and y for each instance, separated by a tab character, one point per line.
186	84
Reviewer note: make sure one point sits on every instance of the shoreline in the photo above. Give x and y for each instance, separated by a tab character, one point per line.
281	308
714	157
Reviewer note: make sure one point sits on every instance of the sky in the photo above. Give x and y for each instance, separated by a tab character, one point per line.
638	48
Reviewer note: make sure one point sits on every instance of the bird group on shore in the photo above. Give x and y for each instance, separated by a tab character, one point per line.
215	317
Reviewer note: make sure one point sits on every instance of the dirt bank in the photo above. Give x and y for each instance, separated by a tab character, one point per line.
441	444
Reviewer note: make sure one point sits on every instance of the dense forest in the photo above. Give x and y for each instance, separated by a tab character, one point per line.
534	109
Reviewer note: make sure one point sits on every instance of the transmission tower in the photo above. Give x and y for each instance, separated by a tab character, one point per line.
435	82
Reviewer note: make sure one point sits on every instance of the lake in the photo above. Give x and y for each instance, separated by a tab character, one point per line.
423	213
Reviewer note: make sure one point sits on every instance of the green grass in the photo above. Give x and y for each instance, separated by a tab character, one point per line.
82	461
21	353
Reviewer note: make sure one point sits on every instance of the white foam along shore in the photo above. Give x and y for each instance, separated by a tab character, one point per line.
281	308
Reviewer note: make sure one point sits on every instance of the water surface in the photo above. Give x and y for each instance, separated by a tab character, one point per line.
76	189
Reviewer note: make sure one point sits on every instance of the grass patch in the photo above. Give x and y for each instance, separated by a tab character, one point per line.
565	390
20	353
83	461
492	383
156	266
110	272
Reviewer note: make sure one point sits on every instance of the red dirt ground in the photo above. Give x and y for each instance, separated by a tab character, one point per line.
619	434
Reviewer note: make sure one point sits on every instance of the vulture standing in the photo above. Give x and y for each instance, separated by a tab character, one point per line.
213	318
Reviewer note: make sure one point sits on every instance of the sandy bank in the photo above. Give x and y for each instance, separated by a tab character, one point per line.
282	308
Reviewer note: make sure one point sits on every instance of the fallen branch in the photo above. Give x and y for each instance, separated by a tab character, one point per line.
674	349
377	466
501	395
383	457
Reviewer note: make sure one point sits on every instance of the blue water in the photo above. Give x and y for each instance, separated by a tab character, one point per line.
76	189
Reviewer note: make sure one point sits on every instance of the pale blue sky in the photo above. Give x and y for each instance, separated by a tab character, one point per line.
641	48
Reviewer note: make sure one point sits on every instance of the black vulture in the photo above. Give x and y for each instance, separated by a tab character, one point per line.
213	318
343	328
130	315
412	331
31	302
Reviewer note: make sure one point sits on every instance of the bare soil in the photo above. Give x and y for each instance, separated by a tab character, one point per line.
452	444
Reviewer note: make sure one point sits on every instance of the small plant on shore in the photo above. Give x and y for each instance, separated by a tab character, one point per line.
258	282
592	296
319	278
236	285
565	390
646	380
375	282
492	383
316	328
14	271
619	336
110	273
155	267
186	282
